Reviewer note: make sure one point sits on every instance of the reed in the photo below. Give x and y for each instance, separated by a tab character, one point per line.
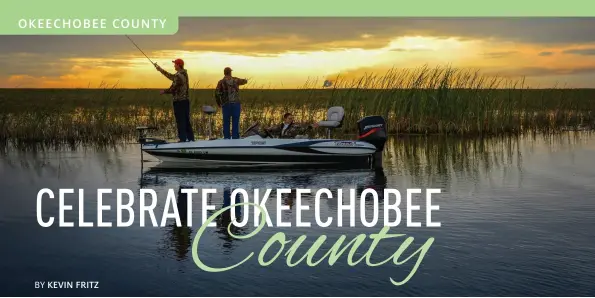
440	100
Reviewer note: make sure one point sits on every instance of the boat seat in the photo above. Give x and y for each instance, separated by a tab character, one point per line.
208	110
334	119
329	124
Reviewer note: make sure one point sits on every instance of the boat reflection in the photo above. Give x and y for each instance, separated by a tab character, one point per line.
179	238
224	222
251	180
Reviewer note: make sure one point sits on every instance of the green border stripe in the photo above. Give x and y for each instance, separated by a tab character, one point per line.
162	16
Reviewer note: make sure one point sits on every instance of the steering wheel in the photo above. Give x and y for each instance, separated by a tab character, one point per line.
252	128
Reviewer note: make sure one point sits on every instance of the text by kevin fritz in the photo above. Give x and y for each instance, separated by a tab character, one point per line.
51	284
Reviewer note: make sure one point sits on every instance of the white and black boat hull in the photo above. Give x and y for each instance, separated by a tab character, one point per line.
259	152
256	151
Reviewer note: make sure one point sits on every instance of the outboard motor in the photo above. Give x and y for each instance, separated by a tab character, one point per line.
372	129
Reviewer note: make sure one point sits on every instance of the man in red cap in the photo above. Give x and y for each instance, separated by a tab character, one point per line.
227	96
179	90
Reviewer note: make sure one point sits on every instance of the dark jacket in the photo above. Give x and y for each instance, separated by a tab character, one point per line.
179	88
228	90
292	130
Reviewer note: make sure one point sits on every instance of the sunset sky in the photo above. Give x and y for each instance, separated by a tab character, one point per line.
286	52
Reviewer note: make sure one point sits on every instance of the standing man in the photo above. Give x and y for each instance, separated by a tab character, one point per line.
179	91
227	95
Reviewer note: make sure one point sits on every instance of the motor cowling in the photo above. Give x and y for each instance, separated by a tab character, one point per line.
372	129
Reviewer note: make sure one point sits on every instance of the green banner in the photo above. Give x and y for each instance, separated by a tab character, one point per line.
150	17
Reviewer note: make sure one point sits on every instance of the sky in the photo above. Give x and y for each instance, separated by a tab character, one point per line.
289	52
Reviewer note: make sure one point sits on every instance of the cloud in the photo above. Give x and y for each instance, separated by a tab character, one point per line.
36	64
380	74
545	54
496	55
51	57
296	33
539	71
530	30
39	65
583	52
409	50
280	44
71	73
46	55
91	63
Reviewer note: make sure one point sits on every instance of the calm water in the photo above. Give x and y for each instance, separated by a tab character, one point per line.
517	219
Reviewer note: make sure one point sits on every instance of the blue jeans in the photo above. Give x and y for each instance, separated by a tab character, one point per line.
182	114
231	111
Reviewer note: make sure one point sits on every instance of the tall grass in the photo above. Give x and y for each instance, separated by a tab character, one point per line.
440	100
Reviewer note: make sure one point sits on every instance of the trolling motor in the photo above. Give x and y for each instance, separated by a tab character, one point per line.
372	129
143	139
142	135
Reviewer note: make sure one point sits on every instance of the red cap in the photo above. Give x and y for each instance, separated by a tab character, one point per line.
179	62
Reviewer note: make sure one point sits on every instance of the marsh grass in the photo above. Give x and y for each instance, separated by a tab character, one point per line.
442	100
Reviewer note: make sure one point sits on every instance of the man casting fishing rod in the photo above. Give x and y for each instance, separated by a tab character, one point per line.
179	91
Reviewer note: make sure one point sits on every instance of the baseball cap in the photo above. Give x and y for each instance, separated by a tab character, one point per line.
179	62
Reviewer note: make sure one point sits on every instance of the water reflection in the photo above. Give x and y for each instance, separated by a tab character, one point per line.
534	190
410	162
438	160
427	160
377	182
225	226
249	181
179	238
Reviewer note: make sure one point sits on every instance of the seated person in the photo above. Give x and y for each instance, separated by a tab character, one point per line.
289	129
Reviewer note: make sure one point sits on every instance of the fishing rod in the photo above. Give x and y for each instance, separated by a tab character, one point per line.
139	49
